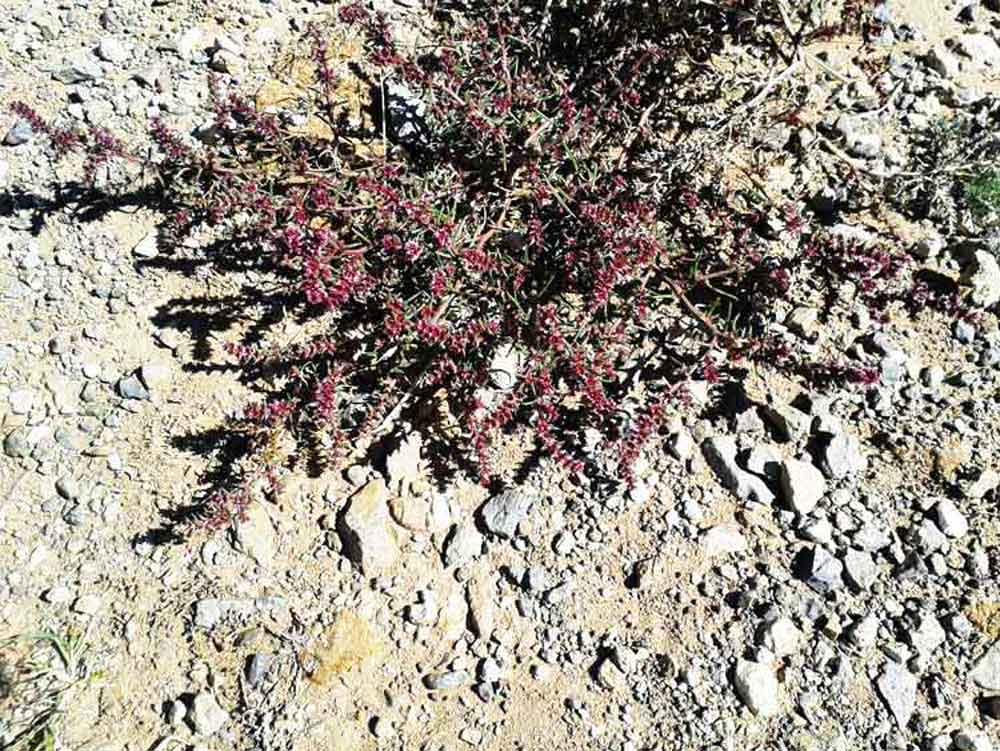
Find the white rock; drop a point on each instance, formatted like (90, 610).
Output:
(254, 535)
(723, 539)
(367, 531)
(949, 519)
(982, 274)
(147, 246)
(757, 686)
(206, 716)
(802, 485)
(782, 637)
(981, 50)
(111, 50)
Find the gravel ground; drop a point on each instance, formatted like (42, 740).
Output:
(795, 570)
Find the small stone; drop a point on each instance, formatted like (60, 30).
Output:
(112, 51)
(757, 686)
(782, 637)
(67, 487)
(19, 133)
(949, 519)
(258, 666)
(802, 485)
(898, 688)
(131, 387)
(804, 322)
(723, 539)
(986, 673)
(448, 680)
(366, 530)
(860, 570)
(482, 605)
(463, 545)
(17, 445)
(254, 535)
(789, 423)
(208, 612)
(206, 716)
(502, 513)
(147, 247)
(943, 62)
(681, 444)
(88, 605)
(155, 375)
(928, 636)
(720, 453)
(840, 456)
(863, 632)
(610, 676)
(982, 274)
(58, 595)
(821, 570)
(972, 740)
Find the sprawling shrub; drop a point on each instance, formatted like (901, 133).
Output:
(507, 225)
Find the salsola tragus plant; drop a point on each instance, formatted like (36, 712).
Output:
(502, 229)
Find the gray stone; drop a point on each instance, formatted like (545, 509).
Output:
(448, 680)
(981, 50)
(972, 740)
(720, 453)
(208, 612)
(16, 445)
(67, 487)
(789, 423)
(131, 387)
(841, 456)
(206, 716)
(782, 637)
(20, 132)
(147, 247)
(502, 513)
(943, 62)
(927, 636)
(464, 544)
(757, 686)
(112, 51)
(822, 571)
(258, 666)
(898, 689)
(982, 274)
(802, 485)
(859, 569)
(928, 537)
(863, 632)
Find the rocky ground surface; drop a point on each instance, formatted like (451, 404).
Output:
(795, 570)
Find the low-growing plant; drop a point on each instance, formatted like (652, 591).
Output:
(508, 226)
(48, 666)
(982, 194)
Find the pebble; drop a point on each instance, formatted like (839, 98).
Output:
(448, 680)
(986, 672)
(949, 519)
(898, 688)
(757, 686)
(366, 530)
(802, 485)
(206, 716)
(502, 513)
